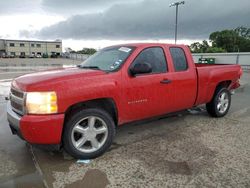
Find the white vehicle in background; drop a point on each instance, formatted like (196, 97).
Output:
(32, 55)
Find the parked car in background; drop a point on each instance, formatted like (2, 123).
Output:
(2, 55)
(32, 56)
(38, 55)
(45, 56)
(22, 56)
(66, 55)
(54, 55)
(5, 56)
(79, 108)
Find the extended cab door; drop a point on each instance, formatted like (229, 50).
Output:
(184, 77)
(148, 95)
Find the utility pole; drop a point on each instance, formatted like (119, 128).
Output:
(176, 4)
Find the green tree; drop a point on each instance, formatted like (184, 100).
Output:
(233, 40)
(226, 39)
(243, 32)
(88, 51)
(204, 47)
(215, 50)
(195, 47)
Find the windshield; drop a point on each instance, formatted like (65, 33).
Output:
(108, 59)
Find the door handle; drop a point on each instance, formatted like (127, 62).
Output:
(165, 81)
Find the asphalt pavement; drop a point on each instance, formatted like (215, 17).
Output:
(190, 149)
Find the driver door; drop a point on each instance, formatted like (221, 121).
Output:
(147, 95)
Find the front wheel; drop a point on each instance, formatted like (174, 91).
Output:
(220, 103)
(88, 133)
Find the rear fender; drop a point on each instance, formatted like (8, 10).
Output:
(225, 84)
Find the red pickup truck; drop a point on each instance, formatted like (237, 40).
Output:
(79, 108)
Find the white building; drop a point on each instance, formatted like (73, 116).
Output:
(28, 48)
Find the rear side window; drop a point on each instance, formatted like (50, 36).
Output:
(179, 59)
(154, 56)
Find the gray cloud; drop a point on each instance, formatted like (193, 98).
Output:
(11, 7)
(148, 19)
(79, 6)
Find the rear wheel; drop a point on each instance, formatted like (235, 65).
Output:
(88, 133)
(220, 103)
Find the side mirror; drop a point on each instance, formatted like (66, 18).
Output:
(140, 68)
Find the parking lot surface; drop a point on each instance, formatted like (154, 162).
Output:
(190, 149)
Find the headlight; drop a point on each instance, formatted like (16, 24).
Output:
(41, 102)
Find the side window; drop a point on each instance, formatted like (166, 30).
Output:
(179, 59)
(154, 56)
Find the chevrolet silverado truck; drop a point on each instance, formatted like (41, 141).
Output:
(79, 108)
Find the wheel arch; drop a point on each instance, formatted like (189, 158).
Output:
(224, 83)
(107, 104)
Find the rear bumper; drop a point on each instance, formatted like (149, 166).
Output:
(235, 85)
(36, 129)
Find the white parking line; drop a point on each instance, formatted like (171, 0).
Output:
(5, 84)
(5, 88)
(2, 73)
(6, 80)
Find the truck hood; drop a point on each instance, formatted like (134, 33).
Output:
(55, 75)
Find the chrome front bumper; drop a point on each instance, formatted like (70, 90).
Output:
(13, 119)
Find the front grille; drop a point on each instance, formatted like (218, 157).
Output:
(16, 106)
(16, 93)
(17, 100)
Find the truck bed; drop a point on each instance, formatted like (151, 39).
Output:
(209, 75)
(211, 65)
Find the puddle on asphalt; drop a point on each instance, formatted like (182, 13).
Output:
(196, 110)
(93, 178)
(28, 180)
(178, 167)
(114, 146)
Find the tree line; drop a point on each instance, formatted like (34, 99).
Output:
(229, 40)
(87, 51)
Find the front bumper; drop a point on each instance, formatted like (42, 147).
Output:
(36, 129)
(14, 121)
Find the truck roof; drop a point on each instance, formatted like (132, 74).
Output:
(148, 44)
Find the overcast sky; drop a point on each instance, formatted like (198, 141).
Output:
(97, 23)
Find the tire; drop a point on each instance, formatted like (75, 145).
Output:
(219, 105)
(88, 133)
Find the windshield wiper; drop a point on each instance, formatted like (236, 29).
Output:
(91, 67)
(88, 67)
